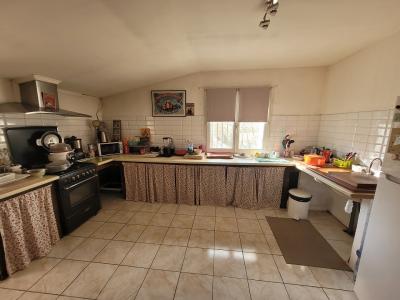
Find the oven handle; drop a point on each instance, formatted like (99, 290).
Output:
(79, 183)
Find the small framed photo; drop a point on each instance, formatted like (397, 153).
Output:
(189, 109)
(169, 103)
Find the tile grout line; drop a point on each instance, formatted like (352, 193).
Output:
(147, 225)
(148, 269)
(180, 271)
(118, 265)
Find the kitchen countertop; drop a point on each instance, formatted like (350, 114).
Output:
(180, 160)
(356, 196)
(18, 187)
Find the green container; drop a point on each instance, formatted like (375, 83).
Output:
(341, 163)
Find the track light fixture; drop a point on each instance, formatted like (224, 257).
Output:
(271, 8)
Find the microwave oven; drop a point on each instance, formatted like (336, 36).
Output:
(109, 148)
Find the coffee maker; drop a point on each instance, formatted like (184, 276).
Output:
(168, 148)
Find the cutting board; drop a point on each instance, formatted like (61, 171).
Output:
(356, 180)
(193, 156)
(220, 155)
(329, 170)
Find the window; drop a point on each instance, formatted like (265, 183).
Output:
(251, 135)
(236, 137)
(237, 119)
(221, 135)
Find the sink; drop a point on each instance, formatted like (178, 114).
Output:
(271, 160)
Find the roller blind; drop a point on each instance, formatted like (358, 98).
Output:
(253, 104)
(221, 104)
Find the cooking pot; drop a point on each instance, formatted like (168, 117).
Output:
(60, 156)
(60, 147)
(75, 142)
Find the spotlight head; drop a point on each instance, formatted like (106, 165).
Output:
(272, 8)
(264, 24)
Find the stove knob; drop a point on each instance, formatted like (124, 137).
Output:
(78, 176)
(73, 178)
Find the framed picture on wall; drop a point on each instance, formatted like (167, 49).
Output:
(189, 109)
(169, 103)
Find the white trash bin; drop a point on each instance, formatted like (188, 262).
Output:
(298, 204)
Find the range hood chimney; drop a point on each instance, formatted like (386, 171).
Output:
(39, 95)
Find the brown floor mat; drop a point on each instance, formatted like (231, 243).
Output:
(302, 244)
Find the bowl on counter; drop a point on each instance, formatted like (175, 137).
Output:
(180, 152)
(36, 172)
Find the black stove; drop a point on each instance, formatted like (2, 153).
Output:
(78, 195)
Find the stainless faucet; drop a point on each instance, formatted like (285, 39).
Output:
(370, 172)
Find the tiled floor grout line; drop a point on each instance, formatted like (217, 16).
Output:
(245, 267)
(44, 274)
(148, 270)
(213, 269)
(155, 212)
(72, 281)
(119, 264)
(180, 270)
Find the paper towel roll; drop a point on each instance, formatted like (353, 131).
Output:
(348, 208)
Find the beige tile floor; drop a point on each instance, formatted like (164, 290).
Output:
(134, 250)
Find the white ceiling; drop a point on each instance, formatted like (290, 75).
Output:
(102, 47)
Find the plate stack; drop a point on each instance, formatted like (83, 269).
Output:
(60, 158)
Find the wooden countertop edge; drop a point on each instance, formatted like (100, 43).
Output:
(174, 160)
(358, 197)
(100, 161)
(8, 191)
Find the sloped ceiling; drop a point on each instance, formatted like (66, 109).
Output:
(103, 47)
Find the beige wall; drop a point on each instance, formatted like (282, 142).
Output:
(298, 90)
(6, 90)
(368, 80)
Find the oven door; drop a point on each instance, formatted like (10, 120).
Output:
(79, 202)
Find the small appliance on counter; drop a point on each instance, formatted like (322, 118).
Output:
(110, 148)
(76, 144)
(168, 148)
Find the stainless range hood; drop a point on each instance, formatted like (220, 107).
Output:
(38, 96)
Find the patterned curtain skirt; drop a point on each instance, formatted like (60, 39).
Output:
(28, 227)
(245, 187)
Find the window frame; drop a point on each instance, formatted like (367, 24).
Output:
(236, 132)
(236, 135)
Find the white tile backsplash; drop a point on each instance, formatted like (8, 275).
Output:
(303, 129)
(363, 132)
(180, 129)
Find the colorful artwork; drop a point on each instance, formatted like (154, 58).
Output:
(49, 101)
(169, 103)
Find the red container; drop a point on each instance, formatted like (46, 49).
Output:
(327, 154)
